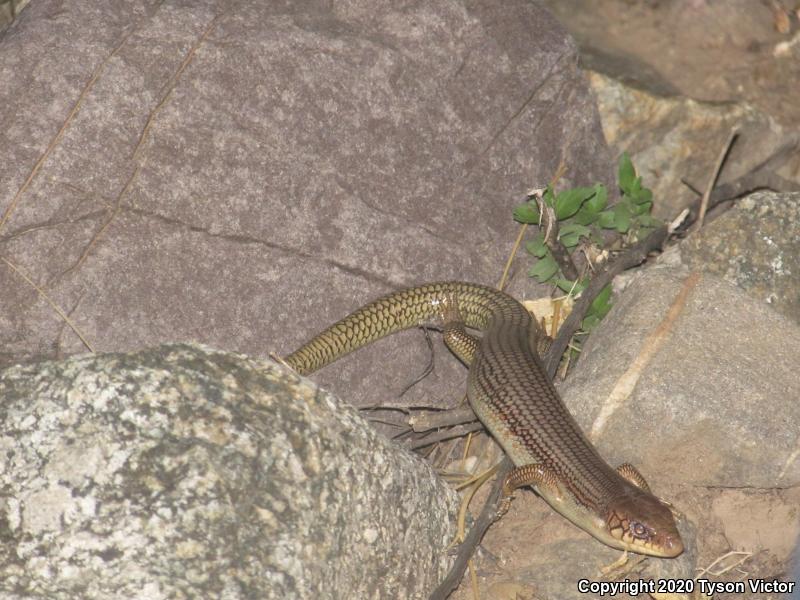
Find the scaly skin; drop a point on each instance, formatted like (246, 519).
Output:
(512, 395)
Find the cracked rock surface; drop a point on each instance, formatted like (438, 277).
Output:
(243, 174)
(183, 472)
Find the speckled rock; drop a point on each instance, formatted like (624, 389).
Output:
(182, 472)
(756, 246)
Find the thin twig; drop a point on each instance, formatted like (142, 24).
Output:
(170, 86)
(561, 255)
(678, 221)
(475, 535)
(447, 434)
(755, 180)
(631, 257)
(504, 278)
(55, 306)
(473, 578)
(691, 186)
(428, 368)
(743, 556)
(445, 418)
(67, 122)
(446, 454)
(761, 176)
(113, 212)
(390, 423)
(625, 383)
(279, 359)
(560, 170)
(714, 176)
(474, 486)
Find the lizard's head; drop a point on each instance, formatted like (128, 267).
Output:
(640, 522)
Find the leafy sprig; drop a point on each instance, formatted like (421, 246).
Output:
(582, 213)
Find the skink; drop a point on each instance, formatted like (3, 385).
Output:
(510, 392)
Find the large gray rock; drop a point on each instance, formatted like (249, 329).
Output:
(715, 381)
(709, 389)
(185, 472)
(242, 174)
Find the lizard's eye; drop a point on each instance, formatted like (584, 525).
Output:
(639, 530)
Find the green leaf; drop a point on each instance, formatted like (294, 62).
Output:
(600, 199)
(602, 304)
(604, 312)
(527, 213)
(569, 201)
(570, 241)
(590, 322)
(597, 237)
(642, 209)
(536, 246)
(544, 268)
(568, 228)
(606, 220)
(641, 195)
(622, 222)
(622, 217)
(648, 221)
(565, 285)
(585, 216)
(627, 174)
(570, 234)
(548, 197)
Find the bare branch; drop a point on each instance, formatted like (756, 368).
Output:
(467, 548)
(436, 419)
